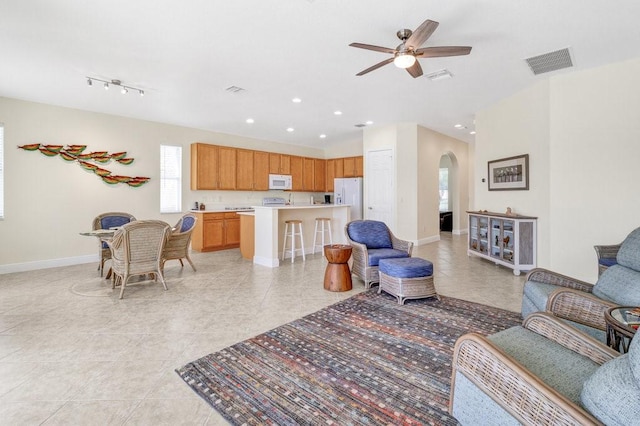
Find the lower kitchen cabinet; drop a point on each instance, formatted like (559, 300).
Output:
(216, 231)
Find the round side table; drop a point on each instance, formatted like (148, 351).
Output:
(621, 327)
(337, 276)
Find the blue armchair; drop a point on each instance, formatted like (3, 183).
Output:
(582, 303)
(371, 241)
(543, 372)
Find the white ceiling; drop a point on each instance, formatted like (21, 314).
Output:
(185, 54)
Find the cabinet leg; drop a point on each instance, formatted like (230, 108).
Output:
(516, 272)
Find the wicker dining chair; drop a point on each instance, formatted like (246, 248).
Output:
(136, 249)
(177, 246)
(371, 241)
(107, 221)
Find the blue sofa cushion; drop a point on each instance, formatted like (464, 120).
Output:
(410, 267)
(384, 253)
(560, 368)
(629, 253)
(615, 285)
(610, 261)
(373, 234)
(611, 393)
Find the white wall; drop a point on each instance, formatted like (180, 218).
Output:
(581, 132)
(49, 201)
(417, 152)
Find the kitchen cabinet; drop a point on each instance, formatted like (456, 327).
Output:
(212, 167)
(505, 240)
(296, 173)
(331, 174)
(216, 231)
(308, 165)
(279, 164)
(252, 171)
(339, 167)
(354, 166)
(320, 175)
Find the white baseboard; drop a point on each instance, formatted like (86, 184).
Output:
(265, 261)
(45, 264)
(460, 231)
(428, 240)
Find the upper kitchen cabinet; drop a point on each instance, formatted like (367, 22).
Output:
(296, 173)
(212, 167)
(320, 175)
(279, 164)
(308, 166)
(353, 167)
(252, 171)
(339, 167)
(331, 174)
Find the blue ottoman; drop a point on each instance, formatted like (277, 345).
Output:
(407, 278)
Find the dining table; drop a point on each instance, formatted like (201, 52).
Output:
(104, 235)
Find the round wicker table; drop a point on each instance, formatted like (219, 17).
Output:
(337, 276)
(621, 327)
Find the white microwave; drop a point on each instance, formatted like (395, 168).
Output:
(279, 181)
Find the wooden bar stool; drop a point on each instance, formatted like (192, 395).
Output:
(320, 228)
(291, 234)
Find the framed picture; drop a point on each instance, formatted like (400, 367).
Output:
(509, 174)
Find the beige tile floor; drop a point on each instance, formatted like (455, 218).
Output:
(72, 353)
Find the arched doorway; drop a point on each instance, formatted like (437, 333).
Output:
(448, 191)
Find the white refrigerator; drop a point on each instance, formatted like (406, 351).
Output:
(349, 191)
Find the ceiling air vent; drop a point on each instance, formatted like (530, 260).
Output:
(234, 89)
(551, 61)
(439, 75)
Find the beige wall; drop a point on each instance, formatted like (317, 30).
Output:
(49, 201)
(417, 151)
(581, 131)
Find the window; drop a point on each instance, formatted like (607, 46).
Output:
(1, 172)
(170, 179)
(444, 189)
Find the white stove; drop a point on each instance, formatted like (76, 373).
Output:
(273, 201)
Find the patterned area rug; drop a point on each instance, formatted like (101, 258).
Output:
(363, 361)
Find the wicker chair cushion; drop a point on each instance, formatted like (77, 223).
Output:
(373, 234)
(187, 223)
(410, 267)
(629, 253)
(620, 285)
(608, 261)
(560, 368)
(375, 255)
(611, 393)
(108, 222)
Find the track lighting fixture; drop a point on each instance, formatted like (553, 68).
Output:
(106, 84)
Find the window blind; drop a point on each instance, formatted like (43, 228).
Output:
(170, 179)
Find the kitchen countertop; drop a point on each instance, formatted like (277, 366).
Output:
(220, 210)
(301, 206)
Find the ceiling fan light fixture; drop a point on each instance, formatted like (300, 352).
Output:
(404, 60)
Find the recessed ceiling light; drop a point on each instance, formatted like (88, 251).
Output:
(296, 100)
(458, 126)
(250, 120)
(289, 129)
(369, 123)
(473, 132)
(322, 136)
(337, 112)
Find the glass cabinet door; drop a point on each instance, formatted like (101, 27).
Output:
(496, 238)
(483, 230)
(508, 240)
(473, 233)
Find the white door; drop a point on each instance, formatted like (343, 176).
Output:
(380, 186)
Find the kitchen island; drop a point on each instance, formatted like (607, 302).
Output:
(269, 228)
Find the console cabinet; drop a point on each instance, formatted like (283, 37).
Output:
(506, 240)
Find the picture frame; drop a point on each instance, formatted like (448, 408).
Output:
(509, 174)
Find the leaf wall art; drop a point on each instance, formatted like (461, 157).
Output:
(93, 161)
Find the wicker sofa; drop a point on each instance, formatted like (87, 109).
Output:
(582, 303)
(543, 372)
(371, 241)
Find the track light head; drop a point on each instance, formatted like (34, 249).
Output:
(124, 91)
(141, 92)
(106, 86)
(90, 82)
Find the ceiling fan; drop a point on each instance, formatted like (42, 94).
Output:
(406, 54)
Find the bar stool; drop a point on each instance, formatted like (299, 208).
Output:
(320, 228)
(292, 235)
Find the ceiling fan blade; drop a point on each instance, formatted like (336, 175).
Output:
(376, 66)
(415, 70)
(435, 52)
(372, 47)
(421, 34)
